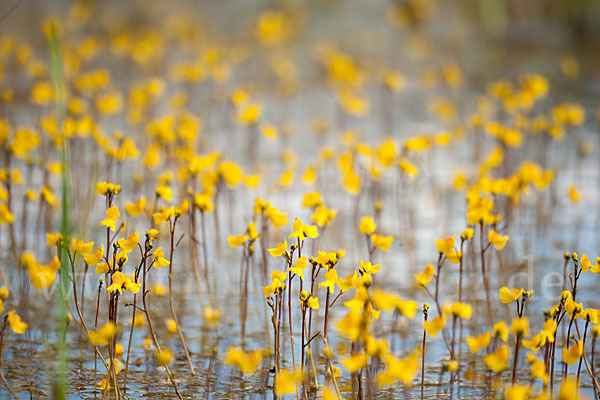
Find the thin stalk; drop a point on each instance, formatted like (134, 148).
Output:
(173, 314)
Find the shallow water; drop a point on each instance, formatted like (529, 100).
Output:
(544, 226)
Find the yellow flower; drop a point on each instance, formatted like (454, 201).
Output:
(355, 362)
(382, 242)
(479, 342)
(467, 234)
(163, 215)
(323, 216)
(572, 354)
(279, 250)
(277, 218)
(41, 276)
(127, 245)
(53, 239)
(501, 330)
(202, 201)
(286, 382)
(434, 326)
(307, 300)
(498, 241)
(445, 245)
(331, 278)
(14, 321)
(424, 277)
(520, 327)
(112, 214)
(247, 362)
(461, 310)
(235, 241)
(164, 356)
(158, 258)
(6, 217)
(402, 370)
(509, 295)
(311, 200)
(79, 246)
(299, 266)
(171, 325)
(574, 195)
(454, 256)
(252, 232)
(498, 360)
(232, 174)
(136, 207)
(164, 192)
(302, 231)
(518, 392)
(152, 234)
(102, 335)
(105, 188)
(367, 225)
(368, 268)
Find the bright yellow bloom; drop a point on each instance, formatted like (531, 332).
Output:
(102, 335)
(368, 268)
(163, 215)
(6, 217)
(382, 242)
(434, 326)
(299, 266)
(355, 362)
(136, 207)
(518, 392)
(14, 321)
(445, 245)
(247, 362)
(479, 342)
(127, 245)
(424, 277)
(402, 370)
(323, 216)
(509, 295)
(164, 356)
(467, 234)
(574, 195)
(498, 360)
(286, 382)
(311, 200)
(235, 241)
(331, 278)
(105, 188)
(53, 239)
(171, 325)
(158, 258)
(279, 250)
(164, 192)
(501, 330)
(461, 310)
(495, 239)
(520, 327)
(572, 354)
(308, 300)
(79, 246)
(301, 230)
(367, 225)
(112, 214)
